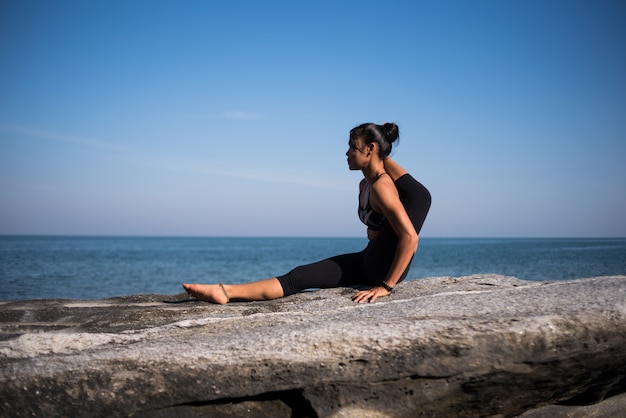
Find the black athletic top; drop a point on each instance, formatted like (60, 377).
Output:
(372, 219)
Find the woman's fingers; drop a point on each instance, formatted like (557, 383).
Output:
(369, 295)
(361, 296)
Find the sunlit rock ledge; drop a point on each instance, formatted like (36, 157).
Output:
(482, 345)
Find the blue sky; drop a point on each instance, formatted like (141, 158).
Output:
(210, 118)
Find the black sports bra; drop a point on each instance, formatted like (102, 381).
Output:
(367, 215)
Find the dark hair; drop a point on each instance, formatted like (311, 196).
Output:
(384, 135)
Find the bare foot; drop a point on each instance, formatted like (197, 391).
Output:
(213, 293)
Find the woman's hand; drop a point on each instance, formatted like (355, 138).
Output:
(370, 294)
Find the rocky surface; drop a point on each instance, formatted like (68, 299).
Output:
(483, 345)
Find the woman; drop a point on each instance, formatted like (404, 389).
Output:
(392, 204)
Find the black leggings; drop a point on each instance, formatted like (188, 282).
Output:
(369, 266)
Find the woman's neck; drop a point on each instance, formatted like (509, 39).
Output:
(373, 171)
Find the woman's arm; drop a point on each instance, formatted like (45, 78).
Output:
(395, 172)
(393, 169)
(385, 200)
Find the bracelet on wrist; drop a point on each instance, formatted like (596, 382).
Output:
(386, 286)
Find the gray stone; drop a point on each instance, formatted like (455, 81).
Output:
(477, 346)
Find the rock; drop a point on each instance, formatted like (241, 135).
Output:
(614, 407)
(477, 346)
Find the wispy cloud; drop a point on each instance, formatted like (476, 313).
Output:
(241, 115)
(61, 137)
(210, 168)
(181, 163)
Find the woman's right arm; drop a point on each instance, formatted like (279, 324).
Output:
(393, 169)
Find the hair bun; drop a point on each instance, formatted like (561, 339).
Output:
(391, 131)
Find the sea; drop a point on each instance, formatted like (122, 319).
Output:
(41, 267)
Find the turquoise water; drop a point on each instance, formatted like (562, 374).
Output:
(99, 267)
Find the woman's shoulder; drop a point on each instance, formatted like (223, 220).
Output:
(384, 184)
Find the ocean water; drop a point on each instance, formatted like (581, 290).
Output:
(34, 267)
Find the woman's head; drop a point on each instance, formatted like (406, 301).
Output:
(383, 135)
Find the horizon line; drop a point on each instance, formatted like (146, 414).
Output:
(32, 235)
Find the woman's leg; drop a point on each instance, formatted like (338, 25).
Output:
(343, 270)
(415, 198)
(216, 293)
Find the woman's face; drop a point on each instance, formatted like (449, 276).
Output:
(357, 154)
